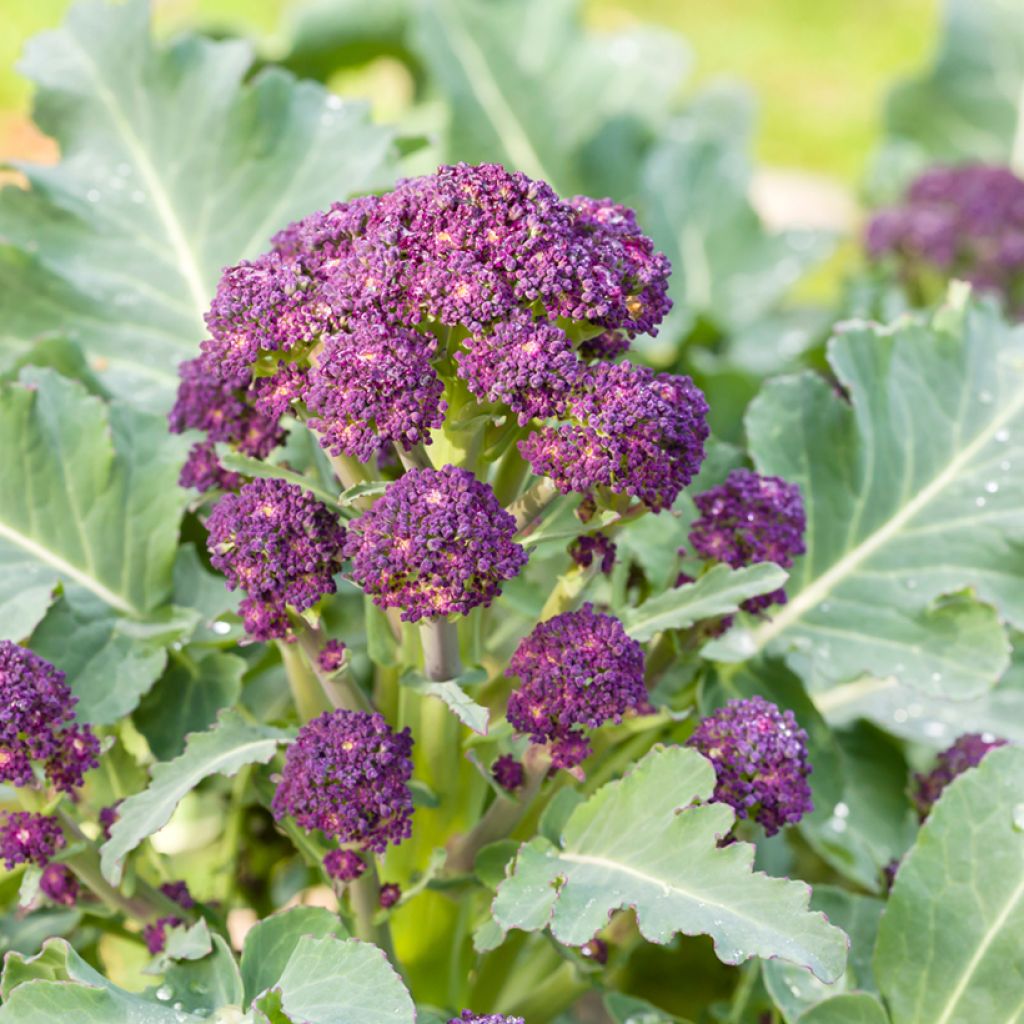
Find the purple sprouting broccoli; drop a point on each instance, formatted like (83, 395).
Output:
(154, 934)
(224, 413)
(596, 950)
(963, 222)
(59, 884)
(344, 865)
(353, 311)
(469, 1017)
(37, 723)
(967, 751)
(372, 388)
(347, 776)
(108, 817)
(390, 894)
(280, 545)
(591, 547)
(749, 519)
(629, 431)
(27, 838)
(508, 773)
(576, 670)
(760, 758)
(435, 543)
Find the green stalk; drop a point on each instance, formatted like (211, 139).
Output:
(504, 814)
(441, 659)
(528, 508)
(552, 996)
(508, 481)
(566, 591)
(339, 688)
(364, 899)
(307, 693)
(415, 458)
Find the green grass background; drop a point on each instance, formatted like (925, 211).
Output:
(820, 68)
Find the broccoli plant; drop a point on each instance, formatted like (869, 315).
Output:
(419, 654)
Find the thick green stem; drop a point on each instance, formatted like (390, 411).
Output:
(508, 481)
(504, 814)
(415, 458)
(441, 659)
(566, 591)
(528, 508)
(339, 688)
(307, 693)
(552, 996)
(364, 899)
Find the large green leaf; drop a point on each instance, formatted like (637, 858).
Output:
(913, 492)
(718, 592)
(967, 105)
(110, 660)
(173, 166)
(270, 944)
(649, 841)
(529, 88)
(230, 745)
(949, 943)
(88, 498)
(727, 268)
(187, 699)
(330, 981)
(850, 1008)
(59, 985)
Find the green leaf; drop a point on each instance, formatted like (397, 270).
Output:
(329, 981)
(110, 660)
(718, 592)
(88, 498)
(852, 1008)
(966, 106)
(472, 715)
(187, 699)
(644, 841)
(624, 1009)
(912, 493)
(239, 463)
(727, 268)
(203, 984)
(793, 990)
(174, 164)
(58, 984)
(954, 925)
(270, 944)
(550, 107)
(229, 745)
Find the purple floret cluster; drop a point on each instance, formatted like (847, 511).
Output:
(347, 776)
(344, 865)
(963, 222)
(594, 547)
(331, 656)
(390, 894)
(154, 934)
(435, 543)
(27, 838)
(760, 758)
(748, 519)
(37, 723)
(966, 752)
(346, 320)
(575, 670)
(280, 545)
(630, 431)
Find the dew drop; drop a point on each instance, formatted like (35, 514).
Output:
(1002, 436)
(992, 487)
(334, 102)
(221, 628)
(900, 715)
(936, 677)
(841, 810)
(93, 195)
(980, 502)
(179, 1005)
(934, 729)
(164, 993)
(1004, 465)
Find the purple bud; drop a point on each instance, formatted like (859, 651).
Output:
(760, 759)
(344, 865)
(576, 670)
(331, 656)
(966, 752)
(154, 934)
(59, 884)
(390, 894)
(107, 817)
(584, 549)
(347, 775)
(596, 950)
(508, 773)
(435, 543)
